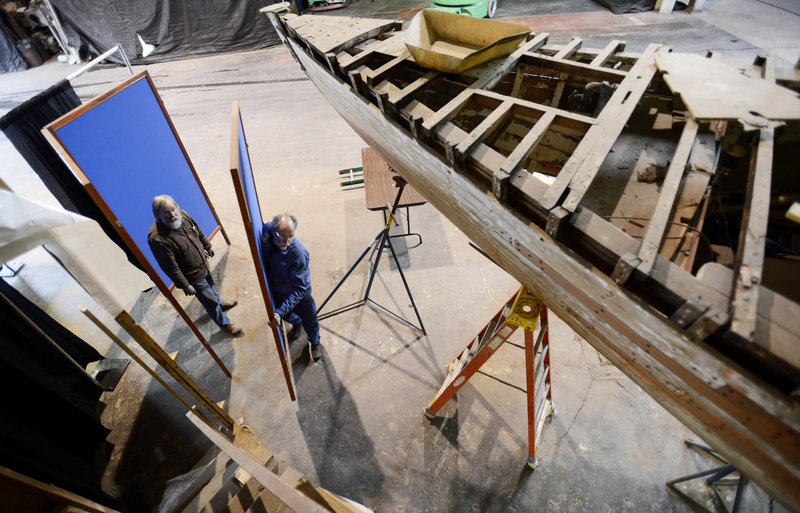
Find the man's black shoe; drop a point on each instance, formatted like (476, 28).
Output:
(227, 306)
(294, 333)
(316, 351)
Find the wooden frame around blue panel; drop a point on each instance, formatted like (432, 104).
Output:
(244, 184)
(124, 149)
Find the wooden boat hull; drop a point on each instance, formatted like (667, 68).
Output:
(558, 249)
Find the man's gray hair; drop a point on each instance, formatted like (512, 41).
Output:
(292, 220)
(160, 201)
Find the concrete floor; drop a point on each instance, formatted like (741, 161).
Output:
(357, 427)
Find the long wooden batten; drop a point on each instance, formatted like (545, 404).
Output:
(516, 154)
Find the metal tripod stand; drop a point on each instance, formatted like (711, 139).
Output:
(375, 250)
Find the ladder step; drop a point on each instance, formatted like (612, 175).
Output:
(537, 419)
(540, 336)
(541, 361)
(539, 423)
(542, 383)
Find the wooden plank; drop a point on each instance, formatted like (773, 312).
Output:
(224, 470)
(778, 326)
(702, 164)
(22, 487)
(408, 92)
(293, 500)
(528, 143)
(610, 49)
(341, 504)
(110, 334)
(375, 76)
(666, 199)
(490, 78)
(150, 346)
(568, 49)
(330, 36)
(448, 112)
(595, 72)
(752, 238)
(565, 115)
(687, 262)
(238, 177)
(579, 172)
(518, 77)
(379, 189)
(484, 129)
(713, 90)
(559, 91)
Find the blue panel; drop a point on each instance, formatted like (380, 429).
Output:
(253, 209)
(129, 152)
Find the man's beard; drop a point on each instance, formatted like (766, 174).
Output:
(176, 222)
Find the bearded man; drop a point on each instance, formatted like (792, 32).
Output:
(182, 251)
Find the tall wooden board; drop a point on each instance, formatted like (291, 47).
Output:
(124, 149)
(243, 183)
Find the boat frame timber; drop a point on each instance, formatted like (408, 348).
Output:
(673, 334)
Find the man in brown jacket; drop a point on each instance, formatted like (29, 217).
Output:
(181, 249)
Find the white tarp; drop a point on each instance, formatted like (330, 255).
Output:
(78, 242)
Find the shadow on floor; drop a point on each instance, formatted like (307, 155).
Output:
(342, 452)
(162, 444)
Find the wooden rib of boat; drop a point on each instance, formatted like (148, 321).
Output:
(651, 222)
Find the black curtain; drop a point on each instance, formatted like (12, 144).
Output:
(176, 28)
(23, 126)
(50, 427)
(74, 346)
(10, 59)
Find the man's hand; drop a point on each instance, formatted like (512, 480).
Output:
(189, 291)
(210, 253)
(275, 321)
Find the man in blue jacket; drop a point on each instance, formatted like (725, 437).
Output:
(286, 260)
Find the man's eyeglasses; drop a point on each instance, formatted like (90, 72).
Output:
(280, 238)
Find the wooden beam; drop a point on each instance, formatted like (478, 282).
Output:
(486, 127)
(752, 238)
(162, 358)
(491, 77)
(293, 500)
(110, 334)
(448, 112)
(666, 198)
(518, 78)
(559, 91)
(610, 49)
(29, 494)
(610, 124)
(374, 77)
(564, 114)
(528, 143)
(407, 93)
(568, 49)
(595, 72)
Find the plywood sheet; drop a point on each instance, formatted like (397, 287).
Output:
(329, 34)
(714, 90)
